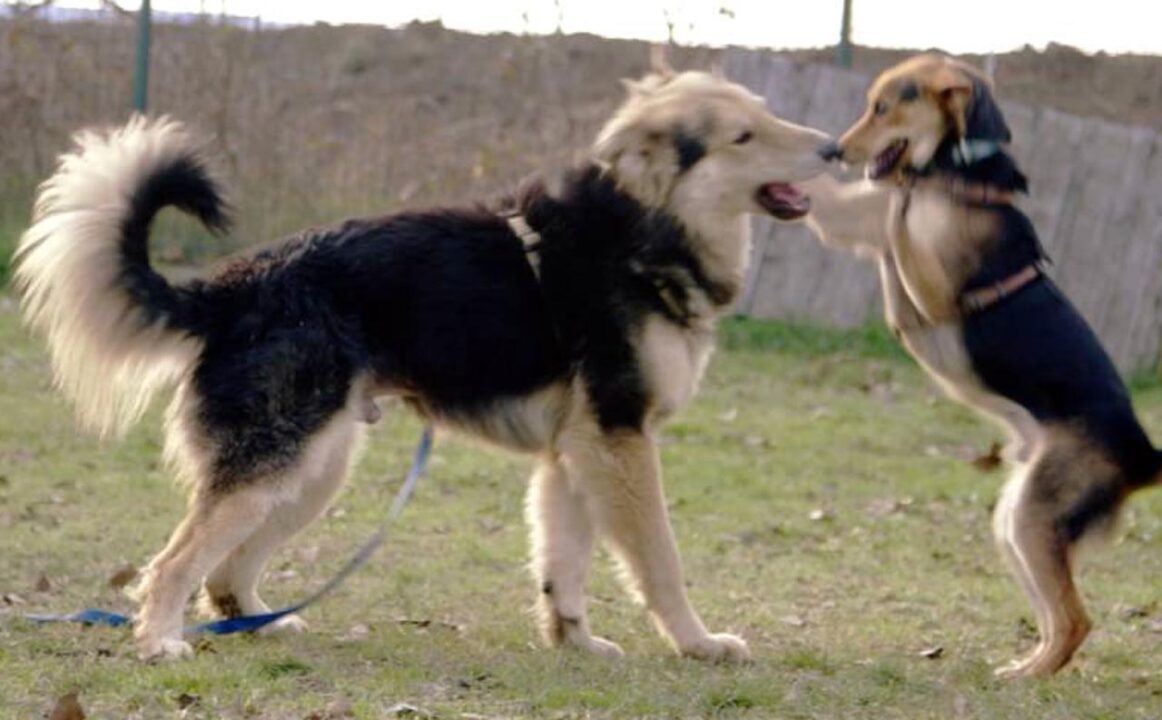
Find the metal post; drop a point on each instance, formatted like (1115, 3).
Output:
(141, 75)
(843, 50)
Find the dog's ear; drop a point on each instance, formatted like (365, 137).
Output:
(984, 120)
(645, 161)
(659, 63)
(660, 73)
(953, 90)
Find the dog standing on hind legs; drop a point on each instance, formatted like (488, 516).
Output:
(964, 289)
(567, 324)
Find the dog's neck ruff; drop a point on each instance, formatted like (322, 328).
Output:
(529, 238)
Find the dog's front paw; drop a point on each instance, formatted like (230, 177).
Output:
(163, 649)
(718, 647)
(291, 624)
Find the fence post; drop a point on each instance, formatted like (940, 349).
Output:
(843, 49)
(141, 75)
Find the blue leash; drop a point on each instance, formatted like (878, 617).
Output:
(250, 623)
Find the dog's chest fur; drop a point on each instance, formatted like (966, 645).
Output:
(674, 359)
(936, 245)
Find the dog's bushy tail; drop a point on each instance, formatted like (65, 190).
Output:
(116, 329)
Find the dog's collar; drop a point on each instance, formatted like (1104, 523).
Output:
(967, 152)
(974, 301)
(529, 238)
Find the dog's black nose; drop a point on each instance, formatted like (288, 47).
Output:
(830, 151)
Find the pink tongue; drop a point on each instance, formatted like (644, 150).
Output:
(785, 194)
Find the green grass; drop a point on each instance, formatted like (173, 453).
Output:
(836, 609)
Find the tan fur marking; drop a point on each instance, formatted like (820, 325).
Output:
(622, 477)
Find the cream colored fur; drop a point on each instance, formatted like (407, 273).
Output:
(712, 197)
(105, 357)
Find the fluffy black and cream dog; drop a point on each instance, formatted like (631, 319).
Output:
(965, 289)
(566, 324)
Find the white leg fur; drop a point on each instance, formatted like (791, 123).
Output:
(562, 547)
(234, 534)
(622, 477)
(232, 588)
(1028, 542)
(211, 529)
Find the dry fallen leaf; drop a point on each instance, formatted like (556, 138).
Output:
(932, 653)
(991, 460)
(335, 710)
(819, 514)
(793, 621)
(43, 584)
(356, 633)
(883, 507)
(123, 576)
(425, 624)
(185, 700)
(67, 708)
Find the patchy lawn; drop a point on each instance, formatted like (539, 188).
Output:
(821, 492)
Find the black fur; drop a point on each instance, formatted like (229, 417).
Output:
(984, 120)
(689, 148)
(443, 305)
(1036, 349)
(186, 184)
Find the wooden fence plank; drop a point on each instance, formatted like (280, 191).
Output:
(1141, 339)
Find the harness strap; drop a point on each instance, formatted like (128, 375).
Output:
(529, 237)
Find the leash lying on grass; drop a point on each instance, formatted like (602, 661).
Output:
(250, 623)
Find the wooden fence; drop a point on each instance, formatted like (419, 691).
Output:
(1096, 200)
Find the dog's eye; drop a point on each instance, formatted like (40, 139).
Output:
(880, 108)
(743, 138)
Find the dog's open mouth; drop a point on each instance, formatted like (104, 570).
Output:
(784, 200)
(887, 160)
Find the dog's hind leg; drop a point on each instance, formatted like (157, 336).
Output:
(231, 589)
(562, 547)
(621, 474)
(1067, 492)
(214, 525)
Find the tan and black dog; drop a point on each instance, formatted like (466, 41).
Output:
(966, 292)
